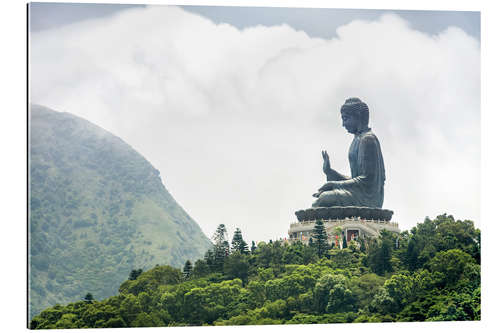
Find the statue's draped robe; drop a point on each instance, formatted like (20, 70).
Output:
(366, 186)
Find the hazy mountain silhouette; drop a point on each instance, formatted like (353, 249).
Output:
(98, 209)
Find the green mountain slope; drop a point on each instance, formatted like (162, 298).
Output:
(98, 209)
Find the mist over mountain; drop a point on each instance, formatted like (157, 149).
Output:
(98, 209)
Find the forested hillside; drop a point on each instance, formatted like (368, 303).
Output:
(430, 273)
(97, 209)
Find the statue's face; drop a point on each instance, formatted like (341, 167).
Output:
(350, 122)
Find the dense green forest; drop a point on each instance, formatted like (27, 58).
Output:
(430, 273)
(97, 209)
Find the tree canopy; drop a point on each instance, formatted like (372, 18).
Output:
(432, 273)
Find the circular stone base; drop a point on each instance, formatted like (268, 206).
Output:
(326, 213)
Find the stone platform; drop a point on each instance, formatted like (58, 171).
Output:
(349, 212)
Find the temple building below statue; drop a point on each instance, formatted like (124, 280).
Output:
(352, 228)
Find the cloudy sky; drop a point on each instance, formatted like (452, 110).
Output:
(234, 105)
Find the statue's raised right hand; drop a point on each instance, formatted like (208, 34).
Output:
(326, 162)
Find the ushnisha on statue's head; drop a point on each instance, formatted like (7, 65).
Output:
(355, 115)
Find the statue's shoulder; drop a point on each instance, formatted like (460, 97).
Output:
(369, 138)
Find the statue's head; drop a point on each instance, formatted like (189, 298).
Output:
(355, 115)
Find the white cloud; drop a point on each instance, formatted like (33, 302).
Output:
(235, 120)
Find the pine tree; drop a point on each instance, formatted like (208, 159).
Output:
(253, 248)
(238, 244)
(320, 238)
(209, 259)
(220, 234)
(188, 269)
(88, 298)
(344, 241)
(221, 248)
